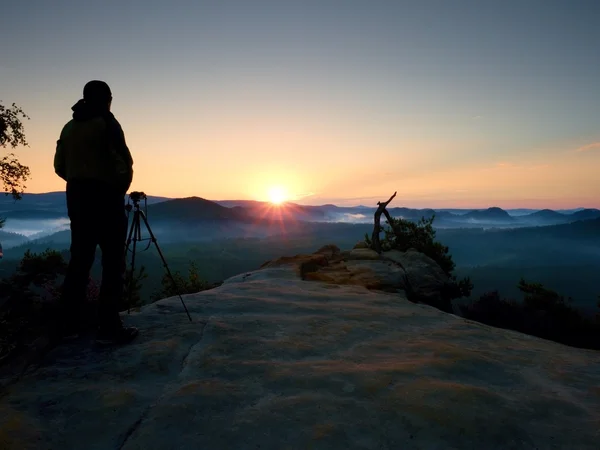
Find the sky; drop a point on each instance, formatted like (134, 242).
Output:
(450, 103)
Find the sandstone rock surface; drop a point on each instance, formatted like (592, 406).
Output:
(272, 361)
(389, 271)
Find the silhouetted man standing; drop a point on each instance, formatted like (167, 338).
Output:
(94, 160)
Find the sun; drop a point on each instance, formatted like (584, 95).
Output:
(277, 195)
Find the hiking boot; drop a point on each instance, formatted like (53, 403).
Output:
(116, 335)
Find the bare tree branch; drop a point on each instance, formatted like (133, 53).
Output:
(375, 242)
(388, 202)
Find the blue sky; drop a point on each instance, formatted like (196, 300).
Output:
(462, 103)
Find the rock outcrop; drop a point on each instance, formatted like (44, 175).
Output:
(411, 272)
(275, 361)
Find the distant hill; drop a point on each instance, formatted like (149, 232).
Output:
(49, 205)
(249, 204)
(533, 246)
(8, 239)
(551, 217)
(547, 214)
(269, 212)
(417, 214)
(194, 209)
(34, 214)
(46, 198)
(493, 214)
(546, 217)
(586, 214)
(579, 230)
(582, 230)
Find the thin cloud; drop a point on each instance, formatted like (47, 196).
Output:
(303, 196)
(588, 147)
(509, 165)
(503, 165)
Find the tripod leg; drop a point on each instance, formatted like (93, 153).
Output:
(153, 238)
(131, 229)
(135, 226)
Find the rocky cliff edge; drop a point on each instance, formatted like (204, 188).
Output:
(319, 351)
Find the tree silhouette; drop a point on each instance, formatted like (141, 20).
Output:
(12, 133)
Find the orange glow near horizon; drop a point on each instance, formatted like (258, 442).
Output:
(554, 181)
(307, 163)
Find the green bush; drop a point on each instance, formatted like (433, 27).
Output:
(401, 234)
(542, 313)
(404, 234)
(132, 297)
(191, 284)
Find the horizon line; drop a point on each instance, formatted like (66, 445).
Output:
(334, 204)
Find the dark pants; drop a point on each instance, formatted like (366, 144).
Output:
(98, 218)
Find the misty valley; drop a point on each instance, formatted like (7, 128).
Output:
(494, 247)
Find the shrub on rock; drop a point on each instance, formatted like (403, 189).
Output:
(542, 313)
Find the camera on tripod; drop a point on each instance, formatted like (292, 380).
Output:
(136, 196)
(135, 235)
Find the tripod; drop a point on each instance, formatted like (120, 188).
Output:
(135, 234)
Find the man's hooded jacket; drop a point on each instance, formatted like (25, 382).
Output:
(92, 146)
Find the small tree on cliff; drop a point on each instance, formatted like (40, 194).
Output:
(191, 284)
(404, 234)
(401, 234)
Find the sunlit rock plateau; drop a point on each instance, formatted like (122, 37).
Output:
(301, 355)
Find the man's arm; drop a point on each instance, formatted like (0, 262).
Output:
(59, 160)
(121, 154)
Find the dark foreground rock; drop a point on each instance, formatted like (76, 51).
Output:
(272, 361)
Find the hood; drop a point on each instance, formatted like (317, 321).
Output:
(83, 111)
